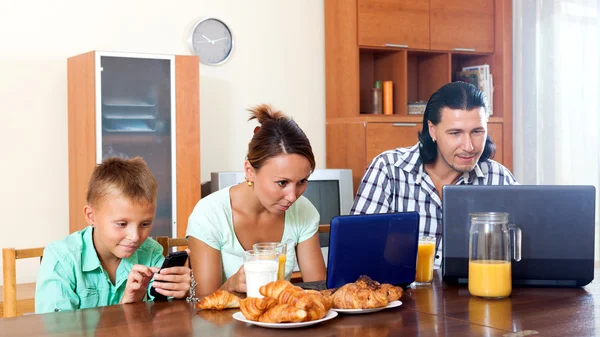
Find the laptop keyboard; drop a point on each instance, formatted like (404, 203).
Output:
(316, 285)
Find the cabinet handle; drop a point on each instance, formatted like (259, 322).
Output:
(396, 45)
(404, 124)
(464, 49)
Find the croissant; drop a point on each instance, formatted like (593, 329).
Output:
(284, 302)
(295, 296)
(319, 305)
(366, 282)
(329, 292)
(219, 300)
(252, 308)
(283, 313)
(392, 293)
(317, 295)
(353, 296)
(273, 289)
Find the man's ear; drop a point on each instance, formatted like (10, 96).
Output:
(431, 130)
(88, 213)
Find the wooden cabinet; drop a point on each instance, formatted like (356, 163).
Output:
(356, 32)
(394, 23)
(462, 25)
(495, 132)
(387, 136)
(127, 105)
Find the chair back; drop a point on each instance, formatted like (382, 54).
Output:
(10, 256)
(168, 243)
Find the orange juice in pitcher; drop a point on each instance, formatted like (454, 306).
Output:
(490, 278)
(490, 254)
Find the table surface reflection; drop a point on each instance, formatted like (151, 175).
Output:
(439, 310)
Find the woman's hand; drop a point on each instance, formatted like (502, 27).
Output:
(237, 282)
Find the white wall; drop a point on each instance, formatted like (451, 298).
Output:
(278, 59)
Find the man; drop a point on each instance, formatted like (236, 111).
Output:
(453, 148)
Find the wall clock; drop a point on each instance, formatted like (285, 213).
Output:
(212, 41)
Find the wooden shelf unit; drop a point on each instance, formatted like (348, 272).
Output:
(419, 45)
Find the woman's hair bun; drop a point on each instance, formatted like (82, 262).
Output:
(264, 113)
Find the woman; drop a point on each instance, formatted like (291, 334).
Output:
(269, 207)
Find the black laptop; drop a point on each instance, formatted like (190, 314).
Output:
(557, 224)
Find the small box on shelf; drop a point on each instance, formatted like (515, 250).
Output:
(416, 108)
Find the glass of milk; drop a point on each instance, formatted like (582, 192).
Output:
(261, 267)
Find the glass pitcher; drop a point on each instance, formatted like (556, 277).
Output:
(489, 254)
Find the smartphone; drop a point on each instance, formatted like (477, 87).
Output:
(176, 259)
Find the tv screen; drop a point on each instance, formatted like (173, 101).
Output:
(325, 196)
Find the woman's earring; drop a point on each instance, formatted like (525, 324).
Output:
(250, 183)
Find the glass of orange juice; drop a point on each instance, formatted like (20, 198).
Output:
(281, 249)
(425, 258)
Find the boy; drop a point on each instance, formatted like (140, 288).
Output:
(111, 261)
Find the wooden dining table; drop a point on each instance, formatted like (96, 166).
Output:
(438, 310)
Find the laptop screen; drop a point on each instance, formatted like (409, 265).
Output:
(381, 246)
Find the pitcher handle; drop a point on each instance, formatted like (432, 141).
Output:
(516, 241)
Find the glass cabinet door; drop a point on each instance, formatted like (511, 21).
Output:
(137, 119)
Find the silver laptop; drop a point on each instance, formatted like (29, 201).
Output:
(557, 223)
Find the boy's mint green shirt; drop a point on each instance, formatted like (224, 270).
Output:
(71, 276)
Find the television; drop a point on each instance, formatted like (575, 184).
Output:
(329, 190)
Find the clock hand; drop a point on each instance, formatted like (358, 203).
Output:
(223, 38)
(207, 39)
(202, 41)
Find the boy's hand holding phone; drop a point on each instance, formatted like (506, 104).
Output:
(173, 279)
(137, 283)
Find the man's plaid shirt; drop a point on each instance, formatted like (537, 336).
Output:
(396, 182)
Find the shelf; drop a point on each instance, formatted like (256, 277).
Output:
(390, 119)
(427, 72)
(133, 138)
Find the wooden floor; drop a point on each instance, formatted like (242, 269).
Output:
(25, 296)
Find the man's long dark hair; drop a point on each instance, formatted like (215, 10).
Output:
(455, 95)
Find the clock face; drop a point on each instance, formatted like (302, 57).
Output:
(212, 41)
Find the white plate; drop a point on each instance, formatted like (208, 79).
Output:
(240, 317)
(392, 304)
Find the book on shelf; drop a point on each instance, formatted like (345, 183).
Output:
(481, 78)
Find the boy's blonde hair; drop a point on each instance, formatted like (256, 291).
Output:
(128, 178)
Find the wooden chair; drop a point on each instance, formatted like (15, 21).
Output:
(11, 306)
(297, 276)
(167, 243)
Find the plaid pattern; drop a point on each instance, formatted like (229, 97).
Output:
(396, 182)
